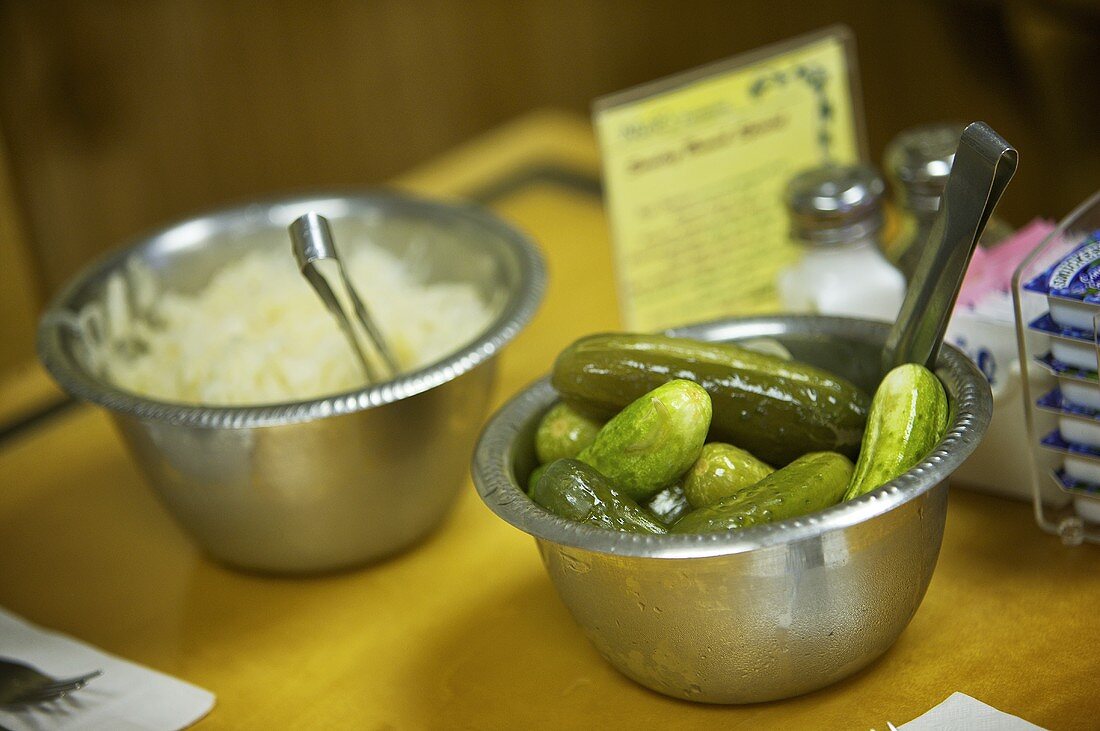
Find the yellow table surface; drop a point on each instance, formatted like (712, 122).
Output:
(465, 631)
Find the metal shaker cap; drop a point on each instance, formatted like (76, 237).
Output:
(918, 162)
(835, 204)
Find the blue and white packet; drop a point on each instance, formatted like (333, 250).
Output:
(1063, 370)
(1071, 484)
(1072, 288)
(1045, 324)
(1054, 402)
(1055, 442)
(1076, 277)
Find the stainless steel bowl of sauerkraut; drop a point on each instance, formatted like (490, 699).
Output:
(241, 400)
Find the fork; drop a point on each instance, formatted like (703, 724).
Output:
(22, 684)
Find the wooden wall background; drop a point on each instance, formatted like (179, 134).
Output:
(119, 115)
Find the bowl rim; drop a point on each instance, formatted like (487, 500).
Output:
(495, 484)
(516, 312)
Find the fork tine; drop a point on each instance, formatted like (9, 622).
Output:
(64, 682)
(41, 696)
(57, 688)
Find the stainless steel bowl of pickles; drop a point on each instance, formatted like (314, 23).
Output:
(754, 605)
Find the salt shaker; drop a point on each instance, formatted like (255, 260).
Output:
(836, 218)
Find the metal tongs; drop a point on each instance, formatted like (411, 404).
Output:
(984, 163)
(315, 251)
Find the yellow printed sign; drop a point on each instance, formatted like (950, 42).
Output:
(694, 172)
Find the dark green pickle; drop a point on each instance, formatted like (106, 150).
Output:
(776, 409)
(577, 491)
(812, 482)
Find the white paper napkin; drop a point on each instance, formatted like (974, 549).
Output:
(126, 697)
(960, 711)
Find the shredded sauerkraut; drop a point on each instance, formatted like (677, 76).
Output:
(258, 334)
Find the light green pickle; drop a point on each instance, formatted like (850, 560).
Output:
(812, 482)
(563, 433)
(722, 471)
(655, 439)
(577, 491)
(670, 504)
(908, 418)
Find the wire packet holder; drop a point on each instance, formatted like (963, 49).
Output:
(1058, 335)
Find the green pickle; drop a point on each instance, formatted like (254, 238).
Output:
(564, 433)
(909, 416)
(534, 477)
(669, 505)
(812, 482)
(722, 471)
(577, 491)
(776, 409)
(655, 439)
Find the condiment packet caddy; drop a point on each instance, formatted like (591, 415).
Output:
(1072, 290)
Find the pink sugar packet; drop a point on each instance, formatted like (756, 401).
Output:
(991, 269)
